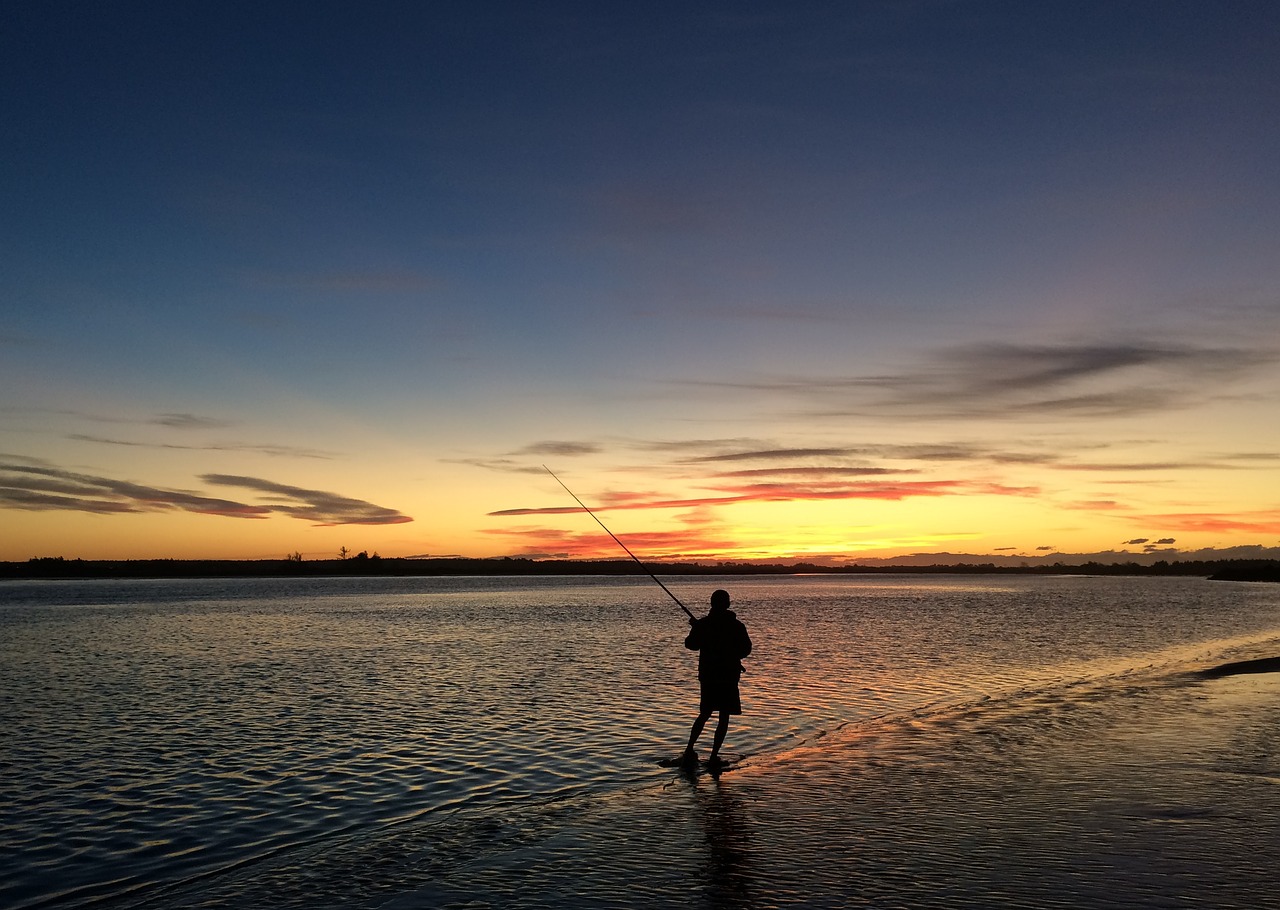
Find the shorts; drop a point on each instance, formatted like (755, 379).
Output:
(719, 695)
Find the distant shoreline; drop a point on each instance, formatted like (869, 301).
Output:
(375, 566)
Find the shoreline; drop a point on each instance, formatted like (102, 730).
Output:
(52, 568)
(1147, 795)
(1155, 790)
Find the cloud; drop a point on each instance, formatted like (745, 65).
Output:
(542, 542)
(1165, 541)
(1096, 505)
(712, 451)
(1140, 466)
(686, 445)
(730, 494)
(171, 420)
(1136, 541)
(40, 488)
(1266, 457)
(189, 422)
(943, 452)
(1262, 522)
(34, 487)
(320, 506)
(1039, 376)
(1015, 380)
(25, 460)
(31, 499)
(831, 471)
(761, 459)
(514, 462)
(275, 451)
(504, 465)
(179, 421)
(893, 491)
(770, 455)
(564, 449)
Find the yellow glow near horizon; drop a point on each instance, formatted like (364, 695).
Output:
(1013, 509)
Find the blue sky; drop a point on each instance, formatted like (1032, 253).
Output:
(400, 254)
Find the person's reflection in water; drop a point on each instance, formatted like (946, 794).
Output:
(721, 641)
(727, 831)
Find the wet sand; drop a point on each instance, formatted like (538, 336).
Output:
(1156, 791)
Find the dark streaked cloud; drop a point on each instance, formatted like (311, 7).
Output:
(320, 506)
(504, 465)
(1019, 380)
(561, 448)
(694, 445)
(27, 460)
(1001, 369)
(771, 455)
(41, 488)
(33, 487)
(544, 510)
(172, 420)
(189, 422)
(32, 500)
(829, 472)
(276, 451)
(183, 422)
(1139, 466)
(1267, 458)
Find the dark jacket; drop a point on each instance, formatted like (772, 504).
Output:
(721, 641)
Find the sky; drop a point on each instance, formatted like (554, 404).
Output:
(818, 281)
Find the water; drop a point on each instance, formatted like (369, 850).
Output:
(200, 742)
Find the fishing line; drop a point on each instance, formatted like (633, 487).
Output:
(618, 542)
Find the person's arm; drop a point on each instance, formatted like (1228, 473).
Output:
(745, 643)
(693, 641)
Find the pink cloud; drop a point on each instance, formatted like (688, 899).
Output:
(781, 492)
(1267, 522)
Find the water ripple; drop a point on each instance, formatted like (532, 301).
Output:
(160, 735)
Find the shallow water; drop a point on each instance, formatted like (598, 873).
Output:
(201, 742)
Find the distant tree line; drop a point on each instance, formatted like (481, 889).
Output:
(364, 564)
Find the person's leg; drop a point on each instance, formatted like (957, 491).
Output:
(698, 724)
(722, 727)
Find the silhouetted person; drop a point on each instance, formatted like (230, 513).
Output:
(721, 641)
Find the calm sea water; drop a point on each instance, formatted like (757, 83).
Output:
(162, 738)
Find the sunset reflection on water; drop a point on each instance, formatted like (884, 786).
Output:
(180, 728)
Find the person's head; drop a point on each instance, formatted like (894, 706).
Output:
(719, 600)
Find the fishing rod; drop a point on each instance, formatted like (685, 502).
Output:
(618, 542)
